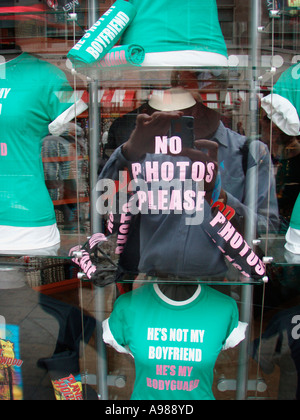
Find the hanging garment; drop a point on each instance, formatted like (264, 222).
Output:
(174, 344)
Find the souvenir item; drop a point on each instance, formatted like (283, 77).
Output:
(174, 344)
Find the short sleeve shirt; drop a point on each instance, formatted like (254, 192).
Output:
(174, 347)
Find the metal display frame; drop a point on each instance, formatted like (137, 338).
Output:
(241, 384)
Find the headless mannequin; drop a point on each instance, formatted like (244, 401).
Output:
(11, 277)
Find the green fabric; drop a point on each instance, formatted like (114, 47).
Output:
(201, 327)
(295, 218)
(29, 101)
(161, 25)
(288, 86)
(103, 35)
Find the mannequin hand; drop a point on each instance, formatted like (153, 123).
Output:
(142, 139)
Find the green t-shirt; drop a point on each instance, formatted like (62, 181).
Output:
(30, 99)
(171, 26)
(175, 347)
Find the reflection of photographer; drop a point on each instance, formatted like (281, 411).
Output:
(167, 245)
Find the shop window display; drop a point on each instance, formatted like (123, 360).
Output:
(161, 149)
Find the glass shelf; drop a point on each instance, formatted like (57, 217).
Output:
(274, 245)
